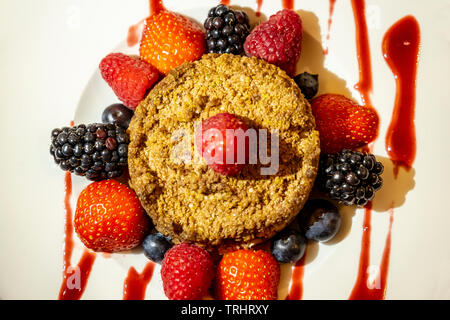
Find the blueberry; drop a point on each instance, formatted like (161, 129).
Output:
(117, 114)
(320, 220)
(155, 246)
(288, 246)
(308, 83)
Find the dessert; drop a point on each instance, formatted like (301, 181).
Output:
(190, 202)
(202, 202)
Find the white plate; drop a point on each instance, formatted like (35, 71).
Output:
(32, 231)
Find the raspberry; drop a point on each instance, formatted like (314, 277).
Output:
(225, 155)
(278, 40)
(187, 272)
(129, 77)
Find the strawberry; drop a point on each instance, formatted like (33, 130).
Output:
(343, 124)
(109, 217)
(187, 272)
(247, 275)
(129, 77)
(215, 145)
(170, 39)
(278, 40)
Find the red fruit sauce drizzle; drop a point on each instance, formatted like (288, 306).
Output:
(226, 2)
(296, 289)
(134, 36)
(363, 290)
(364, 86)
(258, 7)
(136, 283)
(330, 21)
(69, 289)
(288, 4)
(401, 51)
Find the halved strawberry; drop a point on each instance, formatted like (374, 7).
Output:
(109, 217)
(170, 39)
(343, 124)
(247, 275)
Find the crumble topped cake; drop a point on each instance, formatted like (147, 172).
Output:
(185, 198)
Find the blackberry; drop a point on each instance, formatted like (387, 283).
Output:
(96, 151)
(226, 30)
(351, 177)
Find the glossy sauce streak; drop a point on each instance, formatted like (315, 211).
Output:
(364, 86)
(258, 8)
(287, 4)
(330, 21)
(401, 45)
(134, 35)
(362, 290)
(134, 32)
(136, 283)
(74, 278)
(367, 288)
(296, 289)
